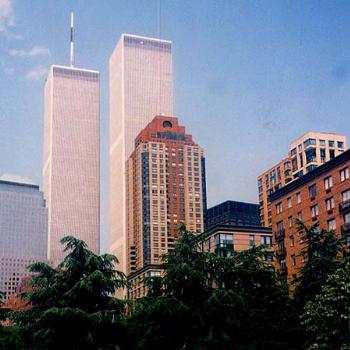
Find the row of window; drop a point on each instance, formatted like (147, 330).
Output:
(328, 184)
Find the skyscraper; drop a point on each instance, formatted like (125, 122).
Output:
(23, 231)
(166, 187)
(71, 157)
(141, 86)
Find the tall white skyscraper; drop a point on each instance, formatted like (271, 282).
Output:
(141, 86)
(71, 161)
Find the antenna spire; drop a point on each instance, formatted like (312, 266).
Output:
(71, 39)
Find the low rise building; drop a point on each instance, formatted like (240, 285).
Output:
(233, 213)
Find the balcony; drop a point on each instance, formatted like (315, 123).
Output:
(280, 234)
(345, 229)
(281, 252)
(283, 270)
(344, 207)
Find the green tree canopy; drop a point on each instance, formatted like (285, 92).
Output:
(73, 305)
(204, 302)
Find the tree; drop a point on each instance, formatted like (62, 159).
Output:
(204, 302)
(72, 305)
(322, 252)
(327, 316)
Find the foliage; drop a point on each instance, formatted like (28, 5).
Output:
(209, 302)
(72, 305)
(322, 253)
(327, 316)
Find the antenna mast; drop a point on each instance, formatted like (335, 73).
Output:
(71, 61)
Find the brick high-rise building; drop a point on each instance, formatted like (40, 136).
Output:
(166, 187)
(71, 157)
(141, 86)
(306, 153)
(322, 196)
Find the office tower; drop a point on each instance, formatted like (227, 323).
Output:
(141, 86)
(233, 213)
(23, 231)
(323, 196)
(305, 154)
(165, 189)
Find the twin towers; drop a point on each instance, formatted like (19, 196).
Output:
(140, 87)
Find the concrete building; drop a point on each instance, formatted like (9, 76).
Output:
(321, 196)
(23, 231)
(141, 86)
(71, 157)
(306, 153)
(166, 187)
(225, 239)
(233, 213)
(270, 181)
(313, 149)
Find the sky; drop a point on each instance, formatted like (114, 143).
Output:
(249, 77)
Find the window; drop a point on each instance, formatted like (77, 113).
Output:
(293, 152)
(331, 154)
(330, 203)
(294, 261)
(323, 155)
(309, 142)
(300, 148)
(331, 143)
(300, 215)
(251, 240)
(279, 208)
(322, 143)
(266, 240)
(328, 182)
(291, 239)
(347, 218)
(280, 226)
(290, 221)
(298, 195)
(340, 144)
(289, 202)
(314, 210)
(310, 155)
(312, 190)
(344, 174)
(346, 195)
(332, 224)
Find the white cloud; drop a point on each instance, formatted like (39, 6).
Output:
(37, 73)
(35, 51)
(7, 16)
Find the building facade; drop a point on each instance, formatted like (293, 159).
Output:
(71, 157)
(306, 153)
(165, 189)
(313, 149)
(268, 182)
(233, 213)
(141, 86)
(321, 196)
(23, 232)
(225, 239)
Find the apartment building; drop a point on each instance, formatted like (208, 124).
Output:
(306, 153)
(321, 196)
(165, 184)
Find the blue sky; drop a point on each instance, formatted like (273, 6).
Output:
(250, 76)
